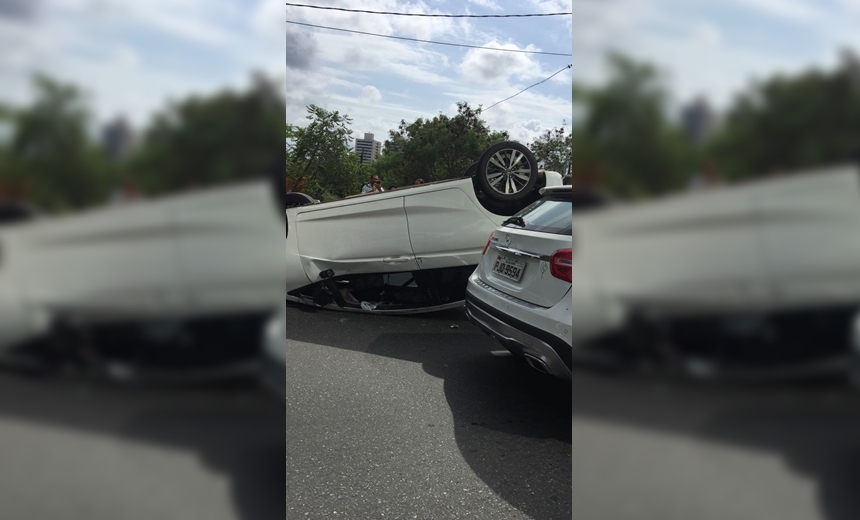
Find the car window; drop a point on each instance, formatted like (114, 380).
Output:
(548, 215)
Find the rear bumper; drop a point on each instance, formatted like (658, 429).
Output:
(543, 350)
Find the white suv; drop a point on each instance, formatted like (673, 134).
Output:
(521, 291)
(761, 277)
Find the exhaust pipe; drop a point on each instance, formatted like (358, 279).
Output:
(536, 363)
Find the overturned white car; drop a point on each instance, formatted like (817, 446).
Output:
(67, 282)
(759, 276)
(410, 249)
(203, 271)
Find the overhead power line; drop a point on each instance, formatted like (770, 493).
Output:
(430, 41)
(527, 15)
(523, 90)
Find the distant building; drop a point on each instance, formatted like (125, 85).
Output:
(367, 148)
(698, 120)
(118, 138)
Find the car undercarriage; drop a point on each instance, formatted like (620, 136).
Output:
(401, 292)
(806, 343)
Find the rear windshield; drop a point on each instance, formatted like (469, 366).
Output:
(547, 215)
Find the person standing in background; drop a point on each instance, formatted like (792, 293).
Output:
(374, 186)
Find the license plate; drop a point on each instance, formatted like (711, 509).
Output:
(509, 268)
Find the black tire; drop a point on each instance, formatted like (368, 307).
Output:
(500, 208)
(294, 200)
(507, 171)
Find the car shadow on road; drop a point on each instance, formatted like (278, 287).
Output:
(812, 426)
(511, 423)
(497, 403)
(234, 428)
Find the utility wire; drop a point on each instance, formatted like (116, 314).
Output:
(523, 90)
(429, 41)
(430, 15)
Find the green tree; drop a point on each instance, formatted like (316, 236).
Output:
(792, 122)
(626, 135)
(49, 151)
(319, 159)
(435, 149)
(210, 140)
(553, 149)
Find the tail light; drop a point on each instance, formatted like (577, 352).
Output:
(488, 244)
(561, 264)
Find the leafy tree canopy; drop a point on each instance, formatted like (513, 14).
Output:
(435, 149)
(319, 159)
(48, 155)
(211, 140)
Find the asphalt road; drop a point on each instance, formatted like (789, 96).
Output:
(653, 449)
(407, 417)
(75, 449)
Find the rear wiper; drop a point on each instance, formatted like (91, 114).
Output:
(515, 220)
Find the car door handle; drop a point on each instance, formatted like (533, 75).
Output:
(396, 259)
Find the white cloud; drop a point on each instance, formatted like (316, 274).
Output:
(413, 27)
(411, 62)
(423, 65)
(86, 42)
(484, 66)
(534, 125)
(371, 95)
(852, 6)
(797, 10)
(125, 57)
(706, 33)
(707, 55)
(489, 4)
(300, 49)
(267, 20)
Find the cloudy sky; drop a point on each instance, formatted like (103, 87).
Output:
(714, 47)
(133, 56)
(711, 48)
(380, 81)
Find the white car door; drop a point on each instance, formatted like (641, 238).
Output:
(366, 234)
(112, 263)
(447, 227)
(811, 238)
(697, 253)
(231, 249)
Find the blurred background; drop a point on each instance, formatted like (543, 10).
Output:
(106, 104)
(108, 101)
(100, 96)
(673, 94)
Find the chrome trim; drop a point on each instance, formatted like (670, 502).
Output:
(513, 299)
(519, 252)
